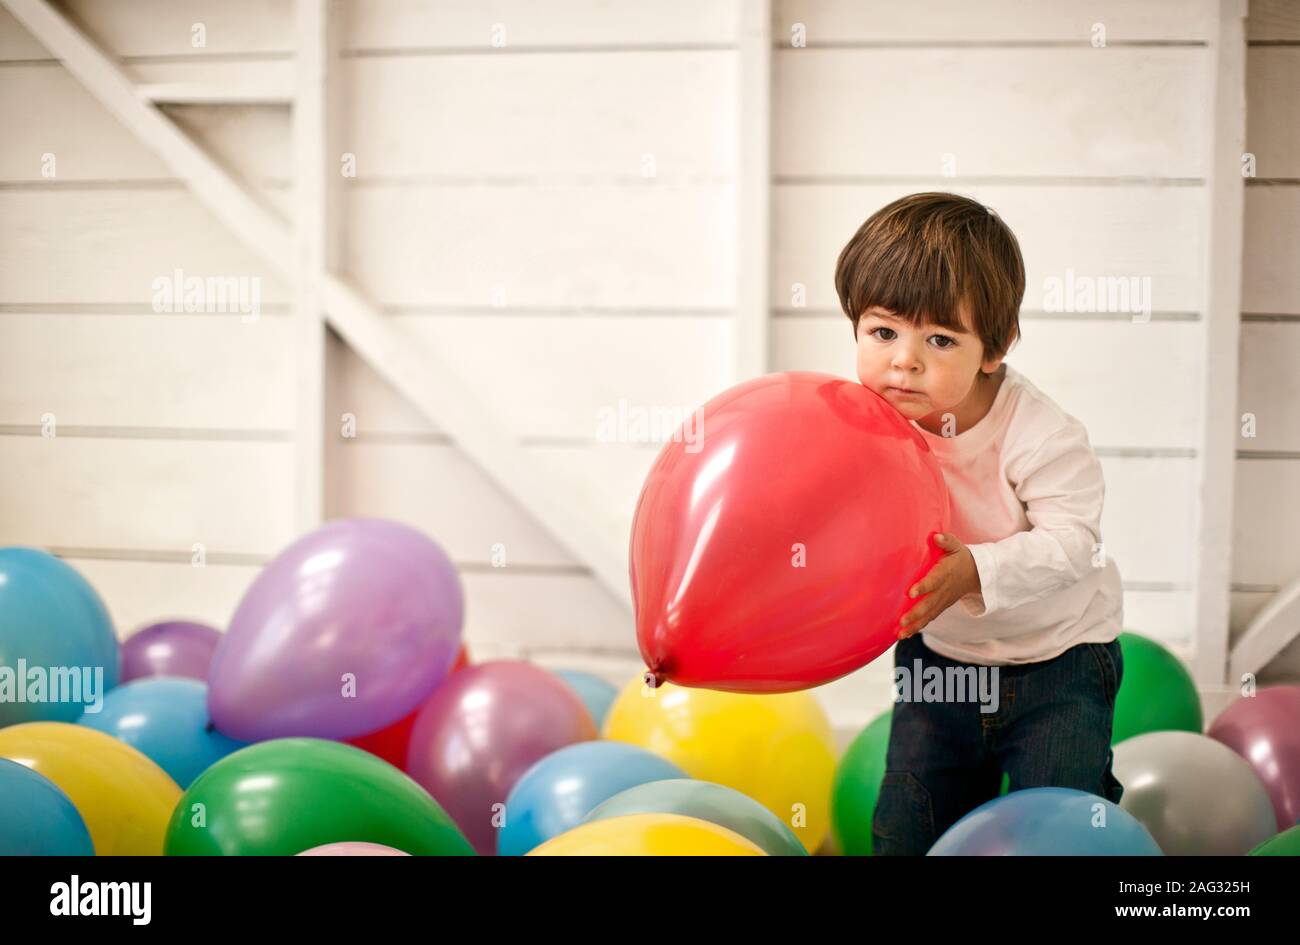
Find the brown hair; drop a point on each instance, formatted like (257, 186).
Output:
(923, 254)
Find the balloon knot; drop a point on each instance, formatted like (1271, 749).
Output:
(209, 728)
(653, 678)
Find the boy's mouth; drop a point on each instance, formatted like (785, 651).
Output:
(903, 392)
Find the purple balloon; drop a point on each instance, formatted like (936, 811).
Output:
(483, 728)
(364, 603)
(174, 648)
(1265, 730)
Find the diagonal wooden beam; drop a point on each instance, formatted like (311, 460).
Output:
(424, 377)
(1269, 633)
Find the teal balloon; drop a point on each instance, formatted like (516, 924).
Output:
(596, 694)
(557, 792)
(1047, 821)
(166, 719)
(52, 621)
(705, 800)
(36, 817)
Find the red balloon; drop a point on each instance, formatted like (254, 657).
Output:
(392, 741)
(774, 552)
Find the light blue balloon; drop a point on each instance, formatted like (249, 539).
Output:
(37, 818)
(53, 621)
(557, 792)
(166, 719)
(596, 694)
(705, 800)
(1048, 821)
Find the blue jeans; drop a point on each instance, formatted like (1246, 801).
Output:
(1051, 728)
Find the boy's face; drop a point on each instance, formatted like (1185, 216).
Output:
(938, 367)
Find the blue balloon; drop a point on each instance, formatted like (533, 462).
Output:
(1048, 821)
(58, 650)
(596, 694)
(557, 792)
(37, 818)
(166, 719)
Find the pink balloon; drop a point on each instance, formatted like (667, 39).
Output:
(352, 848)
(348, 630)
(1265, 730)
(482, 729)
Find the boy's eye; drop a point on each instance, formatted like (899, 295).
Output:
(947, 342)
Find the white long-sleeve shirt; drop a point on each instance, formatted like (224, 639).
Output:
(1027, 492)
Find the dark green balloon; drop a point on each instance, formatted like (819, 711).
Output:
(1287, 843)
(280, 797)
(856, 787)
(705, 800)
(1157, 693)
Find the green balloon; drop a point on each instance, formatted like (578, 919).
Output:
(856, 787)
(705, 800)
(1156, 694)
(1287, 843)
(280, 797)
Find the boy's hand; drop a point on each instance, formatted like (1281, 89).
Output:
(952, 578)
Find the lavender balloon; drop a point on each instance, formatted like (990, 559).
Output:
(349, 629)
(174, 648)
(483, 728)
(1265, 730)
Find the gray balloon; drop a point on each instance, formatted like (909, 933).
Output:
(1195, 795)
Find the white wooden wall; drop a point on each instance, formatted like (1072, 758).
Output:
(503, 214)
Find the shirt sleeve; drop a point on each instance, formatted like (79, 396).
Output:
(1062, 488)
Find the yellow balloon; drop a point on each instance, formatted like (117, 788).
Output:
(648, 835)
(779, 749)
(124, 798)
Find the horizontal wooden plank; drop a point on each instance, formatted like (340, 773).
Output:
(1138, 232)
(1132, 385)
(46, 111)
(1269, 384)
(172, 370)
(50, 112)
(1006, 112)
(623, 246)
(505, 611)
(138, 593)
(166, 27)
(435, 488)
(470, 24)
(147, 495)
(108, 246)
(563, 114)
(550, 376)
(1270, 277)
(992, 21)
(1265, 546)
(1273, 109)
(1146, 522)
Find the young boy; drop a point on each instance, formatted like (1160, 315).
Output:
(933, 284)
